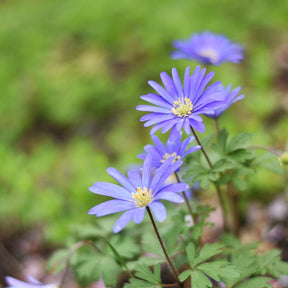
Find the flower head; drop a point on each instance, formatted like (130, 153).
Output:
(208, 48)
(178, 106)
(31, 283)
(174, 148)
(141, 189)
(228, 98)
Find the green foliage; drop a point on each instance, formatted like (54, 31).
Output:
(259, 282)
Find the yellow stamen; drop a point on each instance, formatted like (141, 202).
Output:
(142, 197)
(167, 155)
(183, 107)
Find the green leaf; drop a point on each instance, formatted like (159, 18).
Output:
(207, 252)
(240, 155)
(172, 237)
(184, 275)
(239, 141)
(117, 255)
(138, 283)
(270, 263)
(57, 260)
(222, 138)
(218, 270)
(222, 165)
(259, 282)
(199, 280)
(145, 273)
(190, 252)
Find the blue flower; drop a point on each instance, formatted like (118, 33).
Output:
(174, 148)
(208, 48)
(143, 188)
(179, 106)
(228, 98)
(31, 283)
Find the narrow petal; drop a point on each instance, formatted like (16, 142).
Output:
(159, 211)
(170, 196)
(124, 219)
(158, 88)
(111, 207)
(199, 126)
(161, 174)
(175, 187)
(138, 215)
(146, 171)
(156, 100)
(135, 177)
(191, 150)
(120, 178)
(110, 190)
(148, 108)
(177, 82)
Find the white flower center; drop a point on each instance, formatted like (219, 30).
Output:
(209, 53)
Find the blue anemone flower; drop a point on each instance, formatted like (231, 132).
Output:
(179, 106)
(174, 148)
(228, 97)
(143, 188)
(208, 48)
(31, 283)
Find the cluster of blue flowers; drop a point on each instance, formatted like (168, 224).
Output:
(175, 106)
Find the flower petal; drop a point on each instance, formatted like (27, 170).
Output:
(111, 207)
(170, 196)
(138, 215)
(110, 190)
(120, 178)
(124, 219)
(159, 211)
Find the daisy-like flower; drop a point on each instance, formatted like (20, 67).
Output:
(31, 283)
(143, 188)
(228, 98)
(208, 48)
(174, 148)
(179, 106)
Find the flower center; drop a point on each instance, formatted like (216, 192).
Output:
(210, 54)
(142, 197)
(167, 155)
(183, 107)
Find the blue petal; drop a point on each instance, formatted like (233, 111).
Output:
(159, 211)
(111, 207)
(177, 82)
(146, 171)
(120, 178)
(148, 108)
(158, 88)
(170, 196)
(124, 219)
(161, 174)
(138, 215)
(110, 190)
(156, 100)
(135, 177)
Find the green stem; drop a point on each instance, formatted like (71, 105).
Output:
(234, 207)
(218, 190)
(163, 247)
(194, 217)
(217, 125)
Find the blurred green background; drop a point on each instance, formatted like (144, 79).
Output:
(71, 73)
